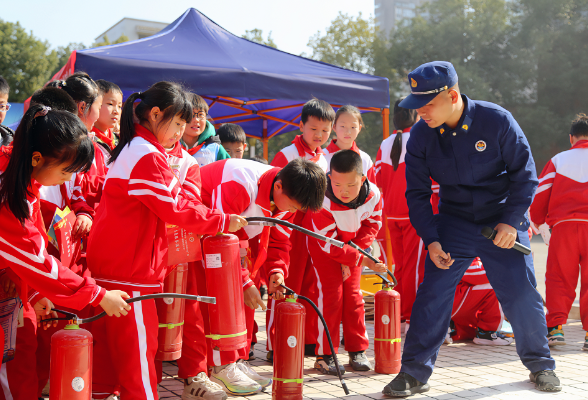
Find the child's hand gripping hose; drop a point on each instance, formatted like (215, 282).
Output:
(291, 292)
(73, 317)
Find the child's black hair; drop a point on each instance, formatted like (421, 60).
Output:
(304, 182)
(319, 109)
(345, 161)
(171, 99)
(231, 133)
(105, 87)
(349, 109)
(198, 103)
(55, 98)
(260, 160)
(80, 87)
(402, 118)
(59, 136)
(580, 126)
(4, 86)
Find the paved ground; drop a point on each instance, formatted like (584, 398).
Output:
(464, 370)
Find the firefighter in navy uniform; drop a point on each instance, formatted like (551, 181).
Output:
(482, 161)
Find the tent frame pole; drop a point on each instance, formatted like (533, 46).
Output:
(385, 122)
(265, 141)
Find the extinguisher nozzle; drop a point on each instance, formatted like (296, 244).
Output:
(345, 388)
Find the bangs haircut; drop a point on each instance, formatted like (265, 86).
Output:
(55, 98)
(304, 182)
(105, 87)
(580, 125)
(198, 103)
(345, 161)
(349, 109)
(319, 109)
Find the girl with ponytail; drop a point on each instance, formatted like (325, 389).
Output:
(127, 248)
(48, 147)
(407, 247)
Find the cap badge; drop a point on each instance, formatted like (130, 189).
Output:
(465, 127)
(413, 83)
(441, 131)
(480, 145)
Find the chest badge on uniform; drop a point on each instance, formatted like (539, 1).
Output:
(480, 145)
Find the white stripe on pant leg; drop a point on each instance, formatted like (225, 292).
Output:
(142, 336)
(321, 329)
(4, 383)
(270, 324)
(416, 284)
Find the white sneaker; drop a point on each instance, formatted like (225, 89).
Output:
(250, 372)
(234, 381)
(448, 339)
(202, 388)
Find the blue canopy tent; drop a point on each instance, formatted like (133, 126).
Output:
(259, 87)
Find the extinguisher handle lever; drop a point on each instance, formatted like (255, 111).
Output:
(374, 259)
(68, 315)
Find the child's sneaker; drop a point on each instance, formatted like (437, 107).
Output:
(202, 388)
(234, 381)
(326, 364)
(555, 337)
(585, 348)
(491, 338)
(250, 372)
(251, 352)
(359, 361)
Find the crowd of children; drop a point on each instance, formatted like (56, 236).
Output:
(126, 171)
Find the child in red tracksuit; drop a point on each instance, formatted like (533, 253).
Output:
(352, 211)
(253, 189)
(408, 250)
(109, 117)
(49, 146)
(561, 201)
(128, 243)
(476, 311)
(347, 125)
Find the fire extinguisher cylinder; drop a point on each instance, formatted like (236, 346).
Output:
(387, 346)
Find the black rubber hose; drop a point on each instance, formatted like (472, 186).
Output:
(79, 321)
(374, 259)
(334, 242)
(343, 384)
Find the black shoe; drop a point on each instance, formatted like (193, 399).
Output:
(310, 350)
(251, 353)
(263, 292)
(326, 364)
(404, 385)
(359, 361)
(546, 381)
(270, 356)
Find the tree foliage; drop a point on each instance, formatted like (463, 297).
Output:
(106, 42)
(256, 35)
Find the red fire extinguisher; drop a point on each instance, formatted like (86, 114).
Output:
(71, 364)
(289, 350)
(170, 313)
(387, 331)
(222, 262)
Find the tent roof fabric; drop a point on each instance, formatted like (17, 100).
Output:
(238, 77)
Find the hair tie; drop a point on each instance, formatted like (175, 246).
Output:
(62, 83)
(42, 112)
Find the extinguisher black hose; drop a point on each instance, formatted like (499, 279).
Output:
(79, 321)
(291, 292)
(374, 259)
(270, 221)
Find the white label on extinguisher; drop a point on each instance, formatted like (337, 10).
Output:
(168, 300)
(77, 384)
(385, 319)
(213, 261)
(292, 341)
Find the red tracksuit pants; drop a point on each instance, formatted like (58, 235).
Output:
(409, 254)
(124, 352)
(338, 301)
(18, 377)
(475, 307)
(568, 248)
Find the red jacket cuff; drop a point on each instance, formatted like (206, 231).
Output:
(247, 284)
(98, 296)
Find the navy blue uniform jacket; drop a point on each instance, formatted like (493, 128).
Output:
(484, 168)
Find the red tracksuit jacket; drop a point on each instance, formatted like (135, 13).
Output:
(562, 194)
(338, 221)
(244, 187)
(299, 149)
(93, 180)
(23, 249)
(366, 160)
(128, 243)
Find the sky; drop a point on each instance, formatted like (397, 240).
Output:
(292, 23)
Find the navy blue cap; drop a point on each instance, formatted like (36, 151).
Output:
(427, 81)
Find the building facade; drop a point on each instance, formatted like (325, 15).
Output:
(389, 13)
(132, 28)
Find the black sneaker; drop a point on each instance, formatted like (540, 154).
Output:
(555, 336)
(585, 348)
(310, 350)
(404, 385)
(491, 338)
(546, 381)
(326, 364)
(263, 292)
(270, 357)
(251, 353)
(359, 361)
